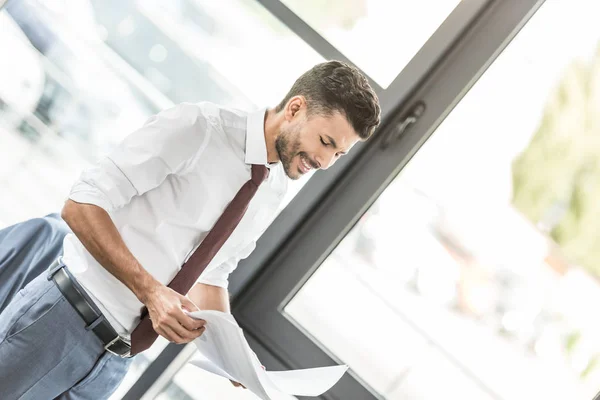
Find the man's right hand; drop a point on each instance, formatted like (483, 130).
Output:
(166, 308)
(95, 229)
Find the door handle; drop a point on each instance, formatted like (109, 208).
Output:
(410, 118)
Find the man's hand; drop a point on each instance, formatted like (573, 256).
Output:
(237, 384)
(96, 230)
(166, 308)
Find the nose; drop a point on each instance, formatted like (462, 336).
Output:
(326, 160)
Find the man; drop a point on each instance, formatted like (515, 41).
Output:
(139, 214)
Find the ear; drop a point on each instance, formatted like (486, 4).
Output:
(294, 107)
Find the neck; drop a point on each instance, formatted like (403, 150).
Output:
(273, 122)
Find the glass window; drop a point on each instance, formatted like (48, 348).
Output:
(475, 274)
(379, 36)
(61, 104)
(83, 77)
(230, 52)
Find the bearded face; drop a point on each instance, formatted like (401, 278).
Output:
(313, 142)
(295, 161)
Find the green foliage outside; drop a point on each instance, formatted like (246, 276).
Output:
(556, 180)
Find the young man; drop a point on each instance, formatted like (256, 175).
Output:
(139, 214)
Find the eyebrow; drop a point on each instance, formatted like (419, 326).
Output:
(335, 144)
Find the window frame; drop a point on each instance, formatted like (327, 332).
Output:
(445, 68)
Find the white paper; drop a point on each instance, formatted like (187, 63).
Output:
(224, 351)
(204, 363)
(295, 381)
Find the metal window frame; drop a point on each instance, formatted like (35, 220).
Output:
(314, 39)
(319, 185)
(451, 42)
(259, 309)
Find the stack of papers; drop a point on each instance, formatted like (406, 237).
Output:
(224, 351)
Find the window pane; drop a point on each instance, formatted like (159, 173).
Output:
(230, 52)
(54, 117)
(80, 78)
(477, 269)
(380, 36)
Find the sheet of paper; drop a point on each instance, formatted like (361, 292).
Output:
(307, 382)
(204, 363)
(224, 351)
(223, 343)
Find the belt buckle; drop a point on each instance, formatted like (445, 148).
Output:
(108, 346)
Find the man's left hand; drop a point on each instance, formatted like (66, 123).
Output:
(237, 384)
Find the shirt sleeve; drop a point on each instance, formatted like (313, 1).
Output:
(219, 276)
(168, 143)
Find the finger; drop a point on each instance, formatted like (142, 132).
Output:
(197, 333)
(188, 322)
(186, 334)
(188, 304)
(237, 384)
(170, 335)
(166, 324)
(171, 327)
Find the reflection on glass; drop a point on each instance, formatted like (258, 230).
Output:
(59, 105)
(230, 52)
(379, 36)
(81, 77)
(475, 274)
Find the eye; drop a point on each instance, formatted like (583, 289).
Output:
(324, 144)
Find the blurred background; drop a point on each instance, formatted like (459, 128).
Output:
(477, 268)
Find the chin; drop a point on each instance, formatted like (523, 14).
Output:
(295, 177)
(293, 173)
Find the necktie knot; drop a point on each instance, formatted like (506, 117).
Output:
(259, 174)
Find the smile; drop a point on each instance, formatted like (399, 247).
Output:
(304, 165)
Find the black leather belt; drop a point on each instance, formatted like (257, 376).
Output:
(88, 311)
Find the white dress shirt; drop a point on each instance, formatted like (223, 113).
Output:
(164, 188)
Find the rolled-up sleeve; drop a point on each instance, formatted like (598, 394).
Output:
(168, 143)
(219, 275)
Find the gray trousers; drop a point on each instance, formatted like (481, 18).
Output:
(26, 251)
(46, 352)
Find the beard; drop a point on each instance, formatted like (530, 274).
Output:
(287, 145)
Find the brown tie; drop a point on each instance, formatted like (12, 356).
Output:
(144, 335)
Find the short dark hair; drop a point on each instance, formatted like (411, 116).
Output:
(336, 86)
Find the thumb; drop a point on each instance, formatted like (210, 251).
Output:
(187, 304)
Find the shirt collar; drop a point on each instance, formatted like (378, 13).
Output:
(256, 146)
